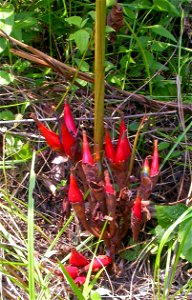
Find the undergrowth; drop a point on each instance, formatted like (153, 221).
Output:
(150, 56)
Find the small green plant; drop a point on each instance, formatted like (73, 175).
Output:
(174, 235)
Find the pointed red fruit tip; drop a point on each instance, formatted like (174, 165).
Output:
(154, 170)
(67, 139)
(109, 189)
(87, 156)
(123, 149)
(51, 137)
(79, 280)
(74, 193)
(137, 210)
(109, 148)
(68, 118)
(99, 262)
(122, 127)
(145, 171)
(77, 259)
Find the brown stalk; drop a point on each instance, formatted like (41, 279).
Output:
(97, 190)
(79, 209)
(111, 207)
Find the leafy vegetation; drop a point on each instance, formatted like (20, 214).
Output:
(147, 68)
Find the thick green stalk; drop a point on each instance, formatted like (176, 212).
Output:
(100, 22)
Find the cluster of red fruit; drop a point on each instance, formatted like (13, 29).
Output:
(79, 266)
(106, 200)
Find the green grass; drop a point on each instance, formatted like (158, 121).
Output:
(152, 61)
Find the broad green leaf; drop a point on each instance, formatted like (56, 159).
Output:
(166, 215)
(163, 145)
(25, 23)
(162, 31)
(92, 14)
(82, 65)
(133, 126)
(6, 19)
(75, 20)
(6, 115)
(84, 22)
(185, 237)
(24, 152)
(159, 46)
(129, 12)
(81, 38)
(5, 78)
(165, 5)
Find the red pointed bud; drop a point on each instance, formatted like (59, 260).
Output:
(67, 139)
(72, 270)
(74, 193)
(77, 259)
(68, 118)
(123, 149)
(154, 170)
(51, 137)
(109, 148)
(87, 156)
(109, 189)
(122, 128)
(79, 280)
(145, 171)
(137, 210)
(99, 262)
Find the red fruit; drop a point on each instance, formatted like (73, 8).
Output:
(154, 170)
(123, 149)
(67, 140)
(77, 259)
(109, 149)
(122, 128)
(79, 280)
(87, 157)
(74, 193)
(51, 137)
(145, 168)
(99, 262)
(72, 270)
(136, 210)
(68, 118)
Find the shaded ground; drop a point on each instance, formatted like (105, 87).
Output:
(133, 280)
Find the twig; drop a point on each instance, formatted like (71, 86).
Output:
(171, 112)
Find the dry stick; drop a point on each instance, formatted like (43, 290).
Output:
(87, 118)
(55, 64)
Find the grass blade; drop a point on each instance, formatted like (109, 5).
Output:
(31, 231)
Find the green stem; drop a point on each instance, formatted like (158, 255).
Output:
(144, 56)
(99, 75)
